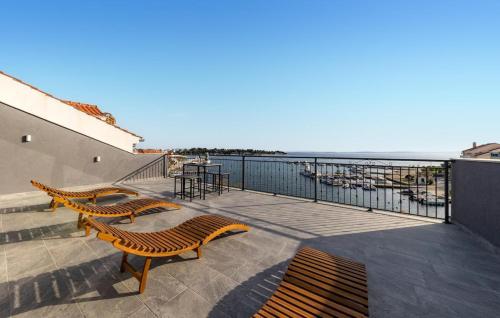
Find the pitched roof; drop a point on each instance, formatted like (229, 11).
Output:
(482, 149)
(89, 109)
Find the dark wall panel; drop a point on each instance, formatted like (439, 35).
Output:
(56, 155)
(476, 197)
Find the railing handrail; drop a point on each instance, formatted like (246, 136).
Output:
(335, 158)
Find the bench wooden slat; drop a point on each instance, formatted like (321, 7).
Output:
(335, 259)
(340, 270)
(317, 284)
(313, 305)
(327, 287)
(294, 305)
(330, 302)
(335, 267)
(263, 314)
(287, 309)
(332, 281)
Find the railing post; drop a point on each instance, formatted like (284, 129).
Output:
(165, 166)
(315, 179)
(446, 192)
(243, 173)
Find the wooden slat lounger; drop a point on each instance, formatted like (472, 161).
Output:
(318, 284)
(131, 209)
(92, 195)
(190, 235)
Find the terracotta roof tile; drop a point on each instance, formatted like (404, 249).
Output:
(140, 150)
(86, 108)
(93, 110)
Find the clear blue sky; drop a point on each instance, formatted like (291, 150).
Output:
(289, 75)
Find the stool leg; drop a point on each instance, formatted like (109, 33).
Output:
(191, 189)
(183, 188)
(175, 187)
(199, 187)
(220, 184)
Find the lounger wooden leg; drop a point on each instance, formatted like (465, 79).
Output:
(51, 204)
(87, 226)
(141, 277)
(124, 260)
(54, 206)
(132, 218)
(94, 199)
(144, 275)
(198, 252)
(79, 224)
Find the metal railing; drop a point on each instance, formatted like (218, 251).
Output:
(411, 186)
(157, 169)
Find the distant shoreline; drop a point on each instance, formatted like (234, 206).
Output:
(445, 155)
(225, 152)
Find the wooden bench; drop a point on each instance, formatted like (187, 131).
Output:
(318, 284)
(91, 195)
(190, 235)
(130, 209)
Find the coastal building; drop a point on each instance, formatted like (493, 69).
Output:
(58, 141)
(149, 151)
(485, 151)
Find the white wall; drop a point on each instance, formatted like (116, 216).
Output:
(27, 99)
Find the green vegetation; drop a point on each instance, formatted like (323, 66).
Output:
(223, 151)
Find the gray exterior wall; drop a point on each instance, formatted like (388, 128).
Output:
(56, 156)
(476, 197)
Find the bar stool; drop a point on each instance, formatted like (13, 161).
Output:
(217, 181)
(194, 188)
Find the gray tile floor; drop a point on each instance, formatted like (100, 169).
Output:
(415, 268)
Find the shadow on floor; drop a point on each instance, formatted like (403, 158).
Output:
(95, 280)
(44, 207)
(425, 271)
(61, 230)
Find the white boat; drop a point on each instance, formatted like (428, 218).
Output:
(324, 180)
(308, 173)
(369, 187)
(407, 192)
(337, 183)
(431, 200)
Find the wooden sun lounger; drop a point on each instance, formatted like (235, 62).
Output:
(318, 284)
(190, 235)
(130, 209)
(91, 195)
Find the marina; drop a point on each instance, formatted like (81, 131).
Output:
(411, 187)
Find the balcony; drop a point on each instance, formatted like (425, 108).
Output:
(416, 266)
